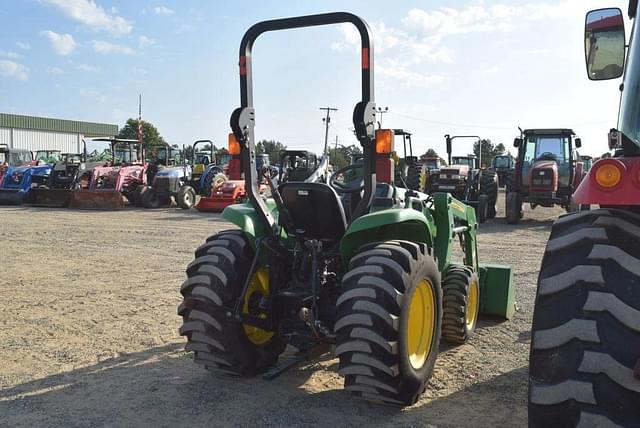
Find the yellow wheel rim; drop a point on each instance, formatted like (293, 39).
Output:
(259, 284)
(421, 324)
(471, 312)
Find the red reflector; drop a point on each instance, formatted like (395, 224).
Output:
(243, 65)
(365, 58)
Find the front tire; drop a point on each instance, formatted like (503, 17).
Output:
(389, 322)
(489, 187)
(513, 207)
(215, 280)
(460, 303)
(186, 197)
(584, 366)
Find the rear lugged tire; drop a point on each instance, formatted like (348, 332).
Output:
(213, 180)
(414, 176)
(585, 342)
(482, 210)
(489, 187)
(151, 199)
(137, 195)
(389, 322)
(513, 207)
(186, 197)
(215, 281)
(460, 303)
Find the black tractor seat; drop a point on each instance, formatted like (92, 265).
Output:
(315, 209)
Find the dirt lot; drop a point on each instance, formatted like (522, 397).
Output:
(88, 328)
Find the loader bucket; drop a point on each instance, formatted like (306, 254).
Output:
(96, 200)
(53, 198)
(11, 197)
(497, 293)
(214, 203)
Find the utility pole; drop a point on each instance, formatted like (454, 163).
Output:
(380, 111)
(140, 150)
(326, 121)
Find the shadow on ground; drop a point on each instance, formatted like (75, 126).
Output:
(162, 387)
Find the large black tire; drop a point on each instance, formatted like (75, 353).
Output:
(586, 324)
(489, 187)
(513, 207)
(137, 195)
(212, 180)
(414, 172)
(460, 303)
(382, 356)
(186, 197)
(482, 210)
(510, 181)
(151, 199)
(215, 280)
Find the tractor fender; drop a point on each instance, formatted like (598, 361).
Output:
(397, 223)
(624, 193)
(246, 218)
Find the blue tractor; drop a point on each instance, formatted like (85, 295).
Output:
(19, 180)
(171, 181)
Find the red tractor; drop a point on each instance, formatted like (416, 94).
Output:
(547, 172)
(584, 365)
(125, 175)
(227, 188)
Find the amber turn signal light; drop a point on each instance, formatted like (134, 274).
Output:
(234, 145)
(608, 175)
(384, 141)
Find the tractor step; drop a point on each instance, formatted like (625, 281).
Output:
(296, 359)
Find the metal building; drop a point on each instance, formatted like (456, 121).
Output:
(41, 133)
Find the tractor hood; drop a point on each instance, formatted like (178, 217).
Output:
(461, 170)
(175, 171)
(33, 170)
(545, 164)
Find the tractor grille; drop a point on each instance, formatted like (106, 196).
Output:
(166, 184)
(542, 178)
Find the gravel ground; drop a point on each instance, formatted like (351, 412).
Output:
(88, 328)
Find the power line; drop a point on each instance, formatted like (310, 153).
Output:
(437, 122)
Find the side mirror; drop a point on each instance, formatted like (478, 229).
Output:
(604, 43)
(517, 142)
(578, 142)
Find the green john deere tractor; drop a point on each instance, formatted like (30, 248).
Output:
(373, 278)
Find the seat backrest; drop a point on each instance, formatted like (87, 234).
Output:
(314, 208)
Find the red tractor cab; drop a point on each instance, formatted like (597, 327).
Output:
(547, 172)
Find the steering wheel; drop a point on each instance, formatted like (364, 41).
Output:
(547, 156)
(345, 187)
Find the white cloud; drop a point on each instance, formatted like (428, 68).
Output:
(88, 13)
(54, 71)
(23, 46)
(103, 47)
(409, 78)
(62, 44)
(144, 41)
(184, 28)
(162, 10)
(86, 67)
(93, 94)
(14, 70)
(9, 54)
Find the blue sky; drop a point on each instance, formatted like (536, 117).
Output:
(458, 67)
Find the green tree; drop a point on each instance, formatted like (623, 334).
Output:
(341, 156)
(150, 138)
(431, 153)
(500, 148)
(272, 148)
(488, 151)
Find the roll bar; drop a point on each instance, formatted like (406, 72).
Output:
(243, 118)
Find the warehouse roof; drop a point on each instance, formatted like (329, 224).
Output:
(88, 129)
